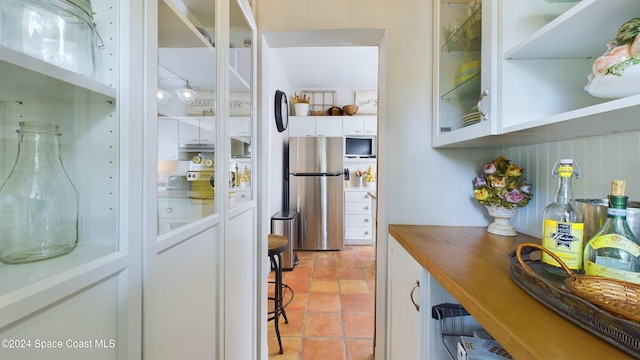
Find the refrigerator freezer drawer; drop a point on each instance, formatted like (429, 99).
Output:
(320, 212)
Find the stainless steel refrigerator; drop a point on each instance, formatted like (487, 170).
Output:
(316, 193)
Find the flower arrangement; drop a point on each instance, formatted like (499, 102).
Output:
(500, 185)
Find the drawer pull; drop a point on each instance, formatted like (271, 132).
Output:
(366, 233)
(415, 286)
(366, 208)
(366, 220)
(169, 210)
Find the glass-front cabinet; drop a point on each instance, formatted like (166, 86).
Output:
(464, 62)
(70, 199)
(240, 111)
(186, 97)
(59, 109)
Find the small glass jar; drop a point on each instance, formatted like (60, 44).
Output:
(60, 32)
(38, 201)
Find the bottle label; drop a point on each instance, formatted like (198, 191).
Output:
(595, 269)
(565, 241)
(613, 212)
(617, 242)
(565, 170)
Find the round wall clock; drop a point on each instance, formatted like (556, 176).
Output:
(281, 111)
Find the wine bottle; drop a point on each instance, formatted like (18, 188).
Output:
(614, 251)
(563, 227)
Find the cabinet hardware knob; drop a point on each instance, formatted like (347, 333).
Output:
(415, 286)
(366, 220)
(169, 210)
(366, 208)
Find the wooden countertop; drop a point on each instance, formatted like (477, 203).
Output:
(473, 266)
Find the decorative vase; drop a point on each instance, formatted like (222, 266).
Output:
(500, 224)
(301, 109)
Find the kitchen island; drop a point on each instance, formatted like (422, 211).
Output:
(472, 265)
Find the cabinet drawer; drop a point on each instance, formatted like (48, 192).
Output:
(358, 220)
(357, 208)
(243, 195)
(172, 209)
(357, 196)
(358, 232)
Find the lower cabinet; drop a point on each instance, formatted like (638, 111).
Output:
(412, 332)
(406, 305)
(358, 218)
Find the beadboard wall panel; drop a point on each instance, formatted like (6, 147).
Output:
(600, 158)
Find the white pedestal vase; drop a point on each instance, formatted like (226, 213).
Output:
(501, 225)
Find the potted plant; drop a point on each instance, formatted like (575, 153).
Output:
(502, 191)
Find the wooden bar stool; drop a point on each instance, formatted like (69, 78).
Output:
(277, 245)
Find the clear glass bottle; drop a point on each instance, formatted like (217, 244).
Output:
(563, 225)
(38, 202)
(614, 251)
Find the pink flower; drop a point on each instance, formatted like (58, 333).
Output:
(489, 168)
(479, 181)
(514, 196)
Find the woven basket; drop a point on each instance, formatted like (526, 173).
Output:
(616, 296)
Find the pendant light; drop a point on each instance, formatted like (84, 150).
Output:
(186, 94)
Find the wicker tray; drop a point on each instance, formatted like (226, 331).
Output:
(550, 291)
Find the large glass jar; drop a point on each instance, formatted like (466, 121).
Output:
(60, 32)
(38, 202)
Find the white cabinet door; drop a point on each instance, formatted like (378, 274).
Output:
(353, 125)
(360, 125)
(466, 62)
(370, 125)
(302, 126)
(167, 139)
(189, 132)
(240, 126)
(329, 126)
(405, 314)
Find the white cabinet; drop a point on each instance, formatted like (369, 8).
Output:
(303, 126)
(92, 293)
(465, 65)
(406, 304)
(358, 218)
(360, 125)
(538, 85)
(240, 127)
(196, 130)
(167, 139)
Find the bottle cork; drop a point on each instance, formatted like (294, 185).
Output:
(618, 187)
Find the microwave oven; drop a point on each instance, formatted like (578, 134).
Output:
(360, 147)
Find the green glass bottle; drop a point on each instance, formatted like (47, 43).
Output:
(614, 251)
(563, 227)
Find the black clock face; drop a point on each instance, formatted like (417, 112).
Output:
(281, 111)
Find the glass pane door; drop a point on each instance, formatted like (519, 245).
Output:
(186, 113)
(240, 105)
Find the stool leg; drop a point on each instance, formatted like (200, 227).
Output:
(284, 312)
(277, 295)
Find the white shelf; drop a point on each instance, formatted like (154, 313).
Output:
(26, 78)
(578, 33)
(175, 30)
(601, 119)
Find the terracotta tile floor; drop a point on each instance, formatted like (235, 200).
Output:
(332, 313)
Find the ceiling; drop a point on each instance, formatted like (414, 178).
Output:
(328, 58)
(330, 67)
